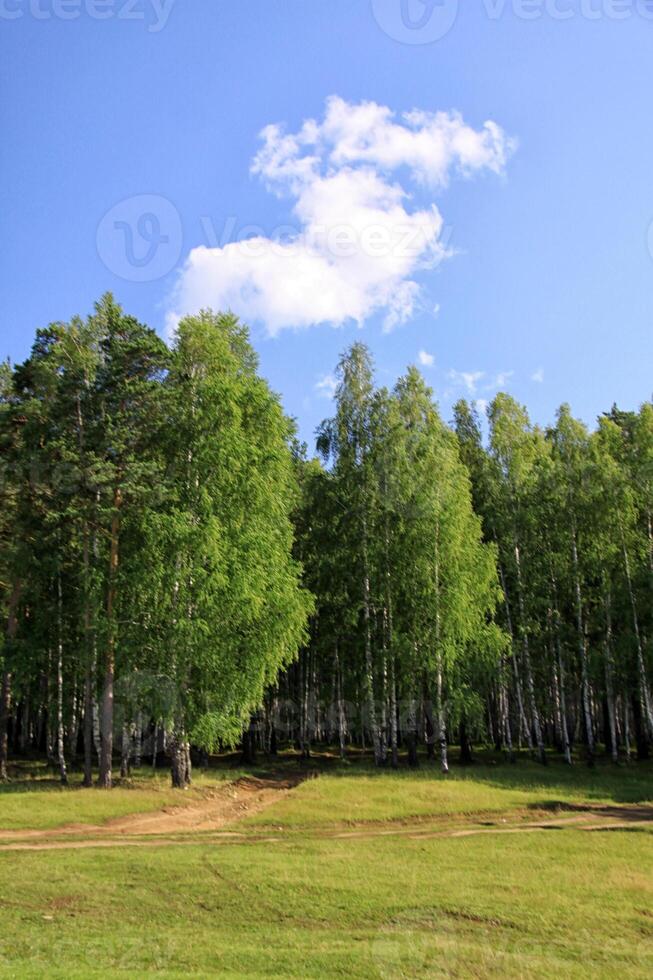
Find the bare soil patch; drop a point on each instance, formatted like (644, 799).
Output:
(215, 815)
(220, 807)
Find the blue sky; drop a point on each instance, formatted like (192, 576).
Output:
(143, 124)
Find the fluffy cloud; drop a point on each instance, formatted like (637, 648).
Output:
(359, 240)
(425, 358)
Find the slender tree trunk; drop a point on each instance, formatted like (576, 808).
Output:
(515, 666)
(88, 726)
(106, 715)
(189, 767)
(73, 730)
(530, 685)
(383, 726)
(5, 686)
(582, 652)
(138, 740)
(609, 675)
(306, 707)
(506, 728)
(89, 651)
(369, 663)
(97, 742)
(411, 733)
(125, 751)
(61, 758)
(625, 707)
(394, 739)
(25, 725)
(442, 729)
(564, 728)
(555, 695)
(89, 674)
(304, 744)
(340, 708)
(5, 708)
(428, 720)
(389, 628)
(644, 690)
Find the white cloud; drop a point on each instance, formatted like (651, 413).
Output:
(426, 359)
(468, 379)
(326, 386)
(481, 405)
(471, 382)
(359, 240)
(436, 310)
(538, 376)
(431, 144)
(500, 381)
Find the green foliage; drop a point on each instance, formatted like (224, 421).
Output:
(223, 589)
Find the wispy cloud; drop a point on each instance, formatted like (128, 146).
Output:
(503, 378)
(499, 381)
(538, 376)
(479, 381)
(326, 386)
(467, 379)
(359, 242)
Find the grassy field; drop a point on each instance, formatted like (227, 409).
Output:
(35, 799)
(344, 876)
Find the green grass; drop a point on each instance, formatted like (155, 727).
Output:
(358, 794)
(556, 903)
(34, 800)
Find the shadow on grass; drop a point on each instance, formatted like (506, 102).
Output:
(626, 783)
(632, 783)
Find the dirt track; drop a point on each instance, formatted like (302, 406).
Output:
(224, 806)
(216, 816)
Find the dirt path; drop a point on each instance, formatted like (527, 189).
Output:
(223, 806)
(587, 817)
(250, 795)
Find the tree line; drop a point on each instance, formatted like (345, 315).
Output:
(177, 574)
(147, 564)
(496, 590)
